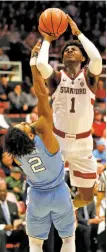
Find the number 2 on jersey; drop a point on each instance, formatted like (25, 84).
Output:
(35, 167)
(72, 110)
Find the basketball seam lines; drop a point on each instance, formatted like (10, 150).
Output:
(62, 29)
(45, 25)
(52, 23)
(45, 32)
(59, 23)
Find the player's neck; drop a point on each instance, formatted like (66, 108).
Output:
(73, 69)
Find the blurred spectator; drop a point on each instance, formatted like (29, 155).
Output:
(98, 125)
(101, 245)
(35, 110)
(86, 218)
(102, 108)
(96, 31)
(15, 183)
(33, 116)
(11, 227)
(102, 40)
(26, 85)
(4, 40)
(21, 209)
(23, 33)
(100, 152)
(32, 99)
(101, 192)
(5, 121)
(71, 9)
(4, 88)
(104, 136)
(18, 100)
(3, 56)
(30, 40)
(6, 162)
(101, 92)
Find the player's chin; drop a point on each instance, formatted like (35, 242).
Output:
(71, 60)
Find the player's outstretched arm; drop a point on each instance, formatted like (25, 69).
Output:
(39, 87)
(44, 125)
(95, 64)
(51, 77)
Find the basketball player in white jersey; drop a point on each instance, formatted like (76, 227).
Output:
(73, 93)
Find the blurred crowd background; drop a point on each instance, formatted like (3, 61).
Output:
(18, 35)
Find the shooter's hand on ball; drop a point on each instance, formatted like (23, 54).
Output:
(74, 27)
(47, 37)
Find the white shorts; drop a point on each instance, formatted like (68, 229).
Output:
(82, 164)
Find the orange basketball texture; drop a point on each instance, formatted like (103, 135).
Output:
(53, 21)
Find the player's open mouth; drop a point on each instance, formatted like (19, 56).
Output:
(71, 55)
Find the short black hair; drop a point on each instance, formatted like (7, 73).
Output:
(17, 142)
(79, 45)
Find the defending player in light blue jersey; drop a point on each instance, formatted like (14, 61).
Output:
(36, 149)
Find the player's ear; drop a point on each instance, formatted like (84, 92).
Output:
(83, 58)
(31, 135)
(63, 60)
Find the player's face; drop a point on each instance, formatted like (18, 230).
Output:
(72, 53)
(25, 127)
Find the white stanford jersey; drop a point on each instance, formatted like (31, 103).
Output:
(73, 105)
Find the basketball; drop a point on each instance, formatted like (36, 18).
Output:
(53, 21)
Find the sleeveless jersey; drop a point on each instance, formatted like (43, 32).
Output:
(73, 105)
(43, 170)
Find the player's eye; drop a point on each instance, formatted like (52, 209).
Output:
(66, 49)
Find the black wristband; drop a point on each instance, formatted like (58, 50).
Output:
(35, 54)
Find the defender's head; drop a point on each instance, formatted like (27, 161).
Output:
(73, 51)
(19, 139)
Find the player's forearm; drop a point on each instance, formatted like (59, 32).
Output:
(95, 64)
(42, 61)
(38, 82)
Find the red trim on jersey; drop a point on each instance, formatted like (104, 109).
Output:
(92, 101)
(85, 69)
(84, 175)
(75, 75)
(75, 136)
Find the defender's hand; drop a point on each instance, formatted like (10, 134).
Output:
(47, 37)
(37, 47)
(74, 27)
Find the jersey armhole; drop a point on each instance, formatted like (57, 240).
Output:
(89, 86)
(37, 138)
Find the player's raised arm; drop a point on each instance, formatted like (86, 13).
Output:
(52, 77)
(44, 125)
(95, 64)
(40, 89)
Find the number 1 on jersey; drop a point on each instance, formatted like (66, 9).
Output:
(72, 110)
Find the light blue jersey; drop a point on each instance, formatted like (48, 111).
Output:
(43, 170)
(48, 196)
